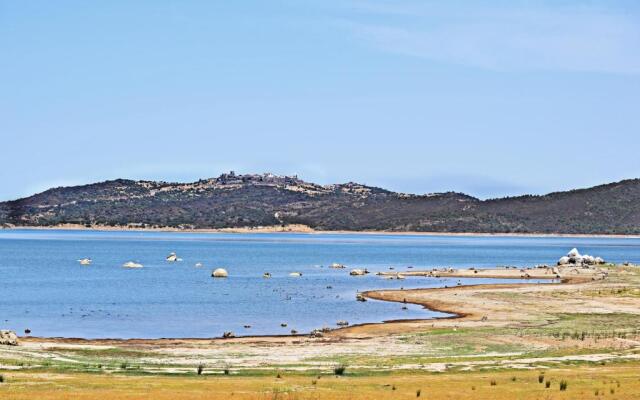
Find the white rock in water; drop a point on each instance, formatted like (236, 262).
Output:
(563, 260)
(131, 264)
(220, 273)
(357, 272)
(598, 260)
(587, 259)
(295, 274)
(573, 253)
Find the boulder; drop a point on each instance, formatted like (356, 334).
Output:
(357, 272)
(131, 264)
(573, 253)
(8, 338)
(220, 273)
(598, 260)
(296, 274)
(563, 260)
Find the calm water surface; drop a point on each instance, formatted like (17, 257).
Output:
(43, 287)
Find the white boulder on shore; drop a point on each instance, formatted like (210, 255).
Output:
(8, 338)
(576, 259)
(220, 273)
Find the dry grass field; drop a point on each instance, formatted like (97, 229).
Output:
(614, 381)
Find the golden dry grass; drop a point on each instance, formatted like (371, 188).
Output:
(614, 381)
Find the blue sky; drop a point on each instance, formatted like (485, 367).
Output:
(490, 98)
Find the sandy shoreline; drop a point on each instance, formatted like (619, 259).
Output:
(309, 230)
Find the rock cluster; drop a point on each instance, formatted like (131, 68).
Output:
(8, 338)
(574, 258)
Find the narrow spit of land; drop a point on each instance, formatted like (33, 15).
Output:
(585, 330)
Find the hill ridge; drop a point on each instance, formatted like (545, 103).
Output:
(251, 200)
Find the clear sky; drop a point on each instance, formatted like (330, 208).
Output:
(491, 98)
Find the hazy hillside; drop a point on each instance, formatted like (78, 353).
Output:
(260, 200)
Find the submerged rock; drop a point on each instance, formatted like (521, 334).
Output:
(131, 264)
(358, 272)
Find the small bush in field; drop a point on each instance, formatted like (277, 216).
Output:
(563, 385)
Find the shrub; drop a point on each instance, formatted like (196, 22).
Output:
(493, 382)
(418, 393)
(200, 369)
(563, 385)
(1, 378)
(547, 384)
(540, 378)
(513, 379)
(339, 369)
(124, 365)
(227, 371)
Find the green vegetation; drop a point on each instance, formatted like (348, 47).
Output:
(339, 369)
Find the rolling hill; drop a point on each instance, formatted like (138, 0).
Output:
(232, 200)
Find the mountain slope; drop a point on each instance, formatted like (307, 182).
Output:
(262, 200)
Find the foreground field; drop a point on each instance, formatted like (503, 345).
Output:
(505, 338)
(616, 381)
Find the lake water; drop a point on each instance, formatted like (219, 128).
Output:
(45, 289)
